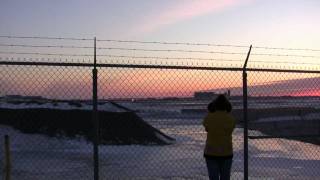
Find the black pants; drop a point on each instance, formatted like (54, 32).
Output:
(219, 168)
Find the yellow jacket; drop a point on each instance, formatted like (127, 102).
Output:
(219, 126)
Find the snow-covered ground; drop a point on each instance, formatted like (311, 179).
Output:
(37, 157)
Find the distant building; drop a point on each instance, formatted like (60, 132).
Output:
(204, 95)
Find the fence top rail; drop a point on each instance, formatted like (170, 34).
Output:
(19, 63)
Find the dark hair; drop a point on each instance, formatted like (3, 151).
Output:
(220, 103)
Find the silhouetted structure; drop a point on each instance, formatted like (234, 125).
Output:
(205, 95)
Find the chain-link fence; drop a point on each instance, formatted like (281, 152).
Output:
(151, 99)
(46, 131)
(177, 120)
(284, 122)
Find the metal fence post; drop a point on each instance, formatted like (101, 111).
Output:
(245, 116)
(95, 115)
(7, 166)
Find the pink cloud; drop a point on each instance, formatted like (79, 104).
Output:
(183, 10)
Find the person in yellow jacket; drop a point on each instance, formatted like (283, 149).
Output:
(218, 152)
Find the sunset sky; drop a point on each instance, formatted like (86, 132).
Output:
(285, 23)
(271, 23)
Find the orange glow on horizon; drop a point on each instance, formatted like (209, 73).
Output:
(307, 93)
(163, 83)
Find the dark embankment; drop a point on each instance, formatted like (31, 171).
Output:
(302, 130)
(295, 125)
(117, 128)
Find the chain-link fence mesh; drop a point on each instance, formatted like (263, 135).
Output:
(150, 121)
(152, 97)
(284, 111)
(46, 132)
(177, 150)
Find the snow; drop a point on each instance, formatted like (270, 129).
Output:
(37, 157)
(40, 157)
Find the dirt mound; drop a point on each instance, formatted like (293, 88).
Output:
(117, 128)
